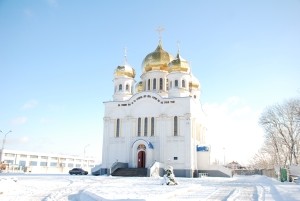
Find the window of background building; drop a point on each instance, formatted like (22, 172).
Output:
(10, 155)
(32, 163)
(22, 163)
(9, 161)
(34, 156)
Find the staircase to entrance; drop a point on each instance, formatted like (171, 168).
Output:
(130, 172)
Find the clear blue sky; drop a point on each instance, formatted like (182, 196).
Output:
(57, 60)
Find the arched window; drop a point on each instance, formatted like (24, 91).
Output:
(175, 126)
(152, 126)
(139, 126)
(118, 128)
(160, 84)
(183, 83)
(127, 87)
(176, 83)
(120, 87)
(148, 84)
(145, 126)
(154, 83)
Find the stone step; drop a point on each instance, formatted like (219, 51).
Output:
(130, 172)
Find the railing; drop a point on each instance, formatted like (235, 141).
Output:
(216, 171)
(115, 166)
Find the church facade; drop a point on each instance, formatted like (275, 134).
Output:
(157, 119)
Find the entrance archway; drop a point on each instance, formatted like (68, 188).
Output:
(141, 159)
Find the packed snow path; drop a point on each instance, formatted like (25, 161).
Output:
(91, 188)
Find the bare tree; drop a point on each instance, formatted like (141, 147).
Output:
(281, 124)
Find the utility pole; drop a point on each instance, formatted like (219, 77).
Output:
(3, 144)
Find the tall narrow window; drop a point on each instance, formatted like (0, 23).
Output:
(160, 84)
(120, 87)
(154, 83)
(127, 87)
(118, 128)
(145, 126)
(139, 126)
(176, 83)
(152, 126)
(149, 84)
(175, 126)
(167, 82)
(170, 85)
(183, 83)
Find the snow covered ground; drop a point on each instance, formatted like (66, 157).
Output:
(30, 187)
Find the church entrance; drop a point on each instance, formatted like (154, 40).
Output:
(141, 159)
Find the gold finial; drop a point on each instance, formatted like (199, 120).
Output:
(160, 30)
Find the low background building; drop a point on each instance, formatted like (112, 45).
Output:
(44, 163)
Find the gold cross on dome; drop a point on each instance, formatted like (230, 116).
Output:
(178, 46)
(160, 30)
(125, 54)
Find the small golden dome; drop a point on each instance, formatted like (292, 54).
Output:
(194, 83)
(139, 86)
(179, 64)
(157, 60)
(125, 70)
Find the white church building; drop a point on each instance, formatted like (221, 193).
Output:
(157, 119)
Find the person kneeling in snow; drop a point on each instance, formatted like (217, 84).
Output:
(169, 177)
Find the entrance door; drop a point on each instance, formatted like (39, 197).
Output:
(141, 159)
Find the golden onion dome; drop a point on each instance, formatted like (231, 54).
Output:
(179, 64)
(139, 86)
(125, 70)
(157, 60)
(194, 83)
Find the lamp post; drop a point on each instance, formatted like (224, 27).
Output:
(224, 156)
(84, 151)
(3, 144)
